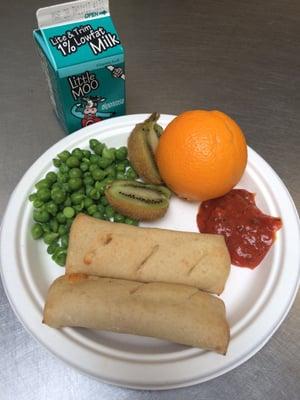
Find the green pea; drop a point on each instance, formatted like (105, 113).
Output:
(87, 174)
(59, 256)
(120, 167)
(109, 211)
(52, 248)
(67, 202)
(104, 162)
(38, 203)
(64, 240)
(86, 153)
(92, 167)
(130, 221)
(41, 215)
(56, 162)
(94, 159)
(58, 195)
(62, 230)
(88, 189)
(37, 231)
(86, 160)
(130, 174)
(94, 194)
(77, 153)
(44, 194)
(98, 174)
(109, 153)
(56, 185)
(119, 218)
(75, 173)
(78, 207)
(61, 219)
(32, 196)
(42, 184)
(50, 237)
(92, 209)
(121, 153)
(98, 215)
(75, 183)
(62, 177)
(104, 201)
(46, 227)
(69, 212)
(64, 168)
(99, 187)
(65, 187)
(88, 202)
(93, 143)
(51, 177)
(69, 223)
(84, 166)
(111, 171)
(120, 176)
(98, 149)
(52, 208)
(64, 155)
(77, 197)
(72, 162)
(101, 208)
(53, 225)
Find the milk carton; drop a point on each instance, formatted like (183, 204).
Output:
(83, 59)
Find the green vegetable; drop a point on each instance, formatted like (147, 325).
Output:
(37, 231)
(73, 161)
(51, 177)
(130, 221)
(76, 186)
(69, 212)
(50, 237)
(64, 155)
(75, 183)
(121, 153)
(92, 209)
(58, 195)
(60, 256)
(41, 215)
(78, 153)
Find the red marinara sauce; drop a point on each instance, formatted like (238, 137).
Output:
(248, 232)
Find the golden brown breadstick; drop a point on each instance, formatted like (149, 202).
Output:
(178, 313)
(147, 254)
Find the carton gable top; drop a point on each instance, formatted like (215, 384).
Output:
(77, 32)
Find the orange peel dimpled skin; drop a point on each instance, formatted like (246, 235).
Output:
(201, 154)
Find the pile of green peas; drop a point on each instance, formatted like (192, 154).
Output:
(76, 187)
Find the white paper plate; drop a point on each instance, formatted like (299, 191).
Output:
(257, 300)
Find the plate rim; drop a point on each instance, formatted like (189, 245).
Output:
(96, 130)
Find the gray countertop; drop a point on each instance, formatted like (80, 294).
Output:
(241, 57)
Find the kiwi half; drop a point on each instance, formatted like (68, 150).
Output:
(138, 200)
(142, 144)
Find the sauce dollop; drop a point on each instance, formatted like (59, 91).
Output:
(248, 232)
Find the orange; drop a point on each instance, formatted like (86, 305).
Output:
(201, 154)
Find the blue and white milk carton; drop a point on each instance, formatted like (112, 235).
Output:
(84, 62)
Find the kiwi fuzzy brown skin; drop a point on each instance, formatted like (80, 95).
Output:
(141, 144)
(137, 200)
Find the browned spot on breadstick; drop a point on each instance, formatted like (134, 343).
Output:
(142, 264)
(88, 258)
(76, 277)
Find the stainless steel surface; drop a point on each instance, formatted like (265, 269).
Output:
(238, 56)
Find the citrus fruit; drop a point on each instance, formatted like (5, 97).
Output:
(201, 154)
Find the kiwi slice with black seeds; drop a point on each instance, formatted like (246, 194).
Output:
(138, 200)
